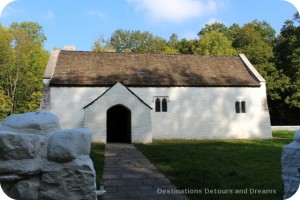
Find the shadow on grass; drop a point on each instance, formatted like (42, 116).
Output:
(97, 156)
(251, 167)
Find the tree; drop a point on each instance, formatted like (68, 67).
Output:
(136, 41)
(31, 60)
(215, 43)
(6, 59)
(250, 42)
(5, 104)
(102, 45)
(8, 76)
(286, 49)
(187, 46)
(172, 46)
(214, 27)
(265, 29)
(233, 31)
(287, 58)
(21, 78)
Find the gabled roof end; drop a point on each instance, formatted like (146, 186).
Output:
(251, 68)
(51, 63)
(122, 85)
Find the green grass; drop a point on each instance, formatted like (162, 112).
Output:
(97, 156)
(242, 165)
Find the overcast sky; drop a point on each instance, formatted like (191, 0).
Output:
(81, 22)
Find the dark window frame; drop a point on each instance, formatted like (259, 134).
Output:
(157, 105)
(240, 106)
(243, 106)
(237, 107)
(164, 105)
(161, 103)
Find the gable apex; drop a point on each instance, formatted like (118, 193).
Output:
(118, 86)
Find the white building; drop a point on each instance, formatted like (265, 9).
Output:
(127, 97)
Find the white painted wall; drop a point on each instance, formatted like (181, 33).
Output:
(96, 118)
(207, 112)
(68, 102)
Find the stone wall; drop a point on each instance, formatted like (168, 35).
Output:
(290, 161)
(39, 161)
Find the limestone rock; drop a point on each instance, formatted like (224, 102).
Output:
(40, 162)
(75, 182)
(33, 122)
(20, 169)
(16, 146)
(26, 189)
(66, 145)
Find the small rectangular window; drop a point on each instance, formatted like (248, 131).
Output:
(161, 103)
(237, 107)
(157, 105)
(243, 105)
(164, 105)
(240, 106)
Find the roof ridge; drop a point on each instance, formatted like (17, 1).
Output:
(147, 53)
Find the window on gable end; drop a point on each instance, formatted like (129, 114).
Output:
(157, 105)
(240, 106)
(164, 105)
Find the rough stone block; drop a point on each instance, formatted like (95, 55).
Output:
(29, 143)
(66, 145)
(33, 122)
(76, 181)
(26, 189)
(17, 146)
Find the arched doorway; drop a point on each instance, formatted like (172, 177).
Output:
(118, 124)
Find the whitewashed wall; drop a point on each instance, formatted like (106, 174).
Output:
(95, 114)
(68, 102)
(207, 112)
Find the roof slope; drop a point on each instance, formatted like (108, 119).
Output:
(81, 68)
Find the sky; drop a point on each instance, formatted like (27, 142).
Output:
(82, 22)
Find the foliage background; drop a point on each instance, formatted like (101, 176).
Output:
(22, 63)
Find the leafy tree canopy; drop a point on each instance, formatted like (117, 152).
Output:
(136, 41)
(215, 43)
(22, 61)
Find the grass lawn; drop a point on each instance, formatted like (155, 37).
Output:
(240, 167)
(97, 156)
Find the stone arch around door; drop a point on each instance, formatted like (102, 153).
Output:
(96, 118)
(118, 124)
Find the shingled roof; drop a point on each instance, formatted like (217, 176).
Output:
(82, 68)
